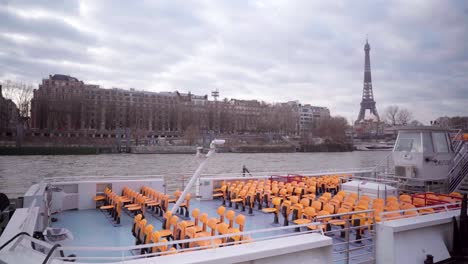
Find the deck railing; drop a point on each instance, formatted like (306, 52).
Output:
(351, 250)
(348, 249)
(178, 181)
(444, 207)
(133, 252)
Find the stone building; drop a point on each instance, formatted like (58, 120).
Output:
(310, 116)
(9, 116)
(63, 103)
(66, 106)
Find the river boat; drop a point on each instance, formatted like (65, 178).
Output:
(375, 146)
(410, 208)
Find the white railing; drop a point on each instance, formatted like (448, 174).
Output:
(445, 207)
(385, 167)
(122, 251)
(178, 181)
(125, 253)
(345, 255)
(206, 175)
(458, 141)
(99, 178)
(459, 170)
(342, 252)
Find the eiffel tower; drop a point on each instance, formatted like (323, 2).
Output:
(367, 94)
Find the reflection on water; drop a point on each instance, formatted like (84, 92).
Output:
(17, 173)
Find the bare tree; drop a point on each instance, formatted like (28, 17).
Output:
(416, 123)
(20, 93)
(333, 127)
(391, 114)
(192, 134)
(404, 117)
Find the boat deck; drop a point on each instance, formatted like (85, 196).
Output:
(93, 228)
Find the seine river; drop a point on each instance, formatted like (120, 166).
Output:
(17, 173)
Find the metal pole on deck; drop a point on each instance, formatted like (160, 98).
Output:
(197, 173)
(347, 228)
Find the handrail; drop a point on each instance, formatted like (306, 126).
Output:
(46, 260)
(376, 180)
(204, 175)
(245, 234)
(459, 178)
(460, 173)
(13, 238)
(456, 142)
(210, 238)
(444, 205)
(184, 241)
(176, 242)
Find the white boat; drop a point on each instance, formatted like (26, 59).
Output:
(376, 146)
(402, 211)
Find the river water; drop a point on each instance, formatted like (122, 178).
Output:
(17, 173)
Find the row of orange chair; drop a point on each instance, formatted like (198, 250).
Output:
(112, 205)
(249, 192)
(175, 230)
(159, 202)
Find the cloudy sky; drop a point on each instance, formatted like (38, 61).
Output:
(274, 50)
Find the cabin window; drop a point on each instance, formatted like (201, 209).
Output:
(410, 142)
(440, 142)
(427, 142)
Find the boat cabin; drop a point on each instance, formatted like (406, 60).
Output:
(424, 153)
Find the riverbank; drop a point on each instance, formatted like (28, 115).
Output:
(327, 147)
(170, 149)
(80, 150)
(13, 151)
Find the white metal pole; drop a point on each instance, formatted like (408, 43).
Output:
(197, 173)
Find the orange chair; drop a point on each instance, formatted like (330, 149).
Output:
(220, 211)
(185, 206)
(275, 210)
(154, 239)
(341, 220)
(405, 198)
(147, 238)
(141, 232)
(204, 220)
(317, 205)
(180, 232)
(212, 224)
(308, 214)
(136, 224)
(221, 192)
(223, 229)
(306, 202)
(285, 211)
(230, 216)
(324, 224)
(240, 221)
(166, 232)
(177, 194)
(329, 208)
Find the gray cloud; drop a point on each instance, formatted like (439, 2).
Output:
(268, 50)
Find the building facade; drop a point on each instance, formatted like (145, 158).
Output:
(309, 116)
(66, 106)
(9, 116)
(63, 103)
